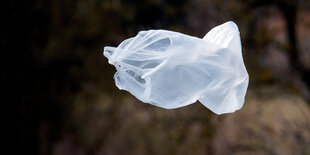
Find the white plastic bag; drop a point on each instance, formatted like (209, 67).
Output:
(170, 70)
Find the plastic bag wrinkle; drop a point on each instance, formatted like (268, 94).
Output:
(171, 70)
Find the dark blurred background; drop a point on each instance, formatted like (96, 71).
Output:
(64, 99)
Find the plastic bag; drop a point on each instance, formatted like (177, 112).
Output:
(171, 70)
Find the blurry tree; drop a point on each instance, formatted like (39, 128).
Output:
(289, 9)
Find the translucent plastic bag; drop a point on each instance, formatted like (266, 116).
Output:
(170, 70)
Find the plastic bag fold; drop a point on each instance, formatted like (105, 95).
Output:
(171, 70)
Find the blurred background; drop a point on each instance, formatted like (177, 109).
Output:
(61, 87)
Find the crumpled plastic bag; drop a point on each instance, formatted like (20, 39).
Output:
(171, 70)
